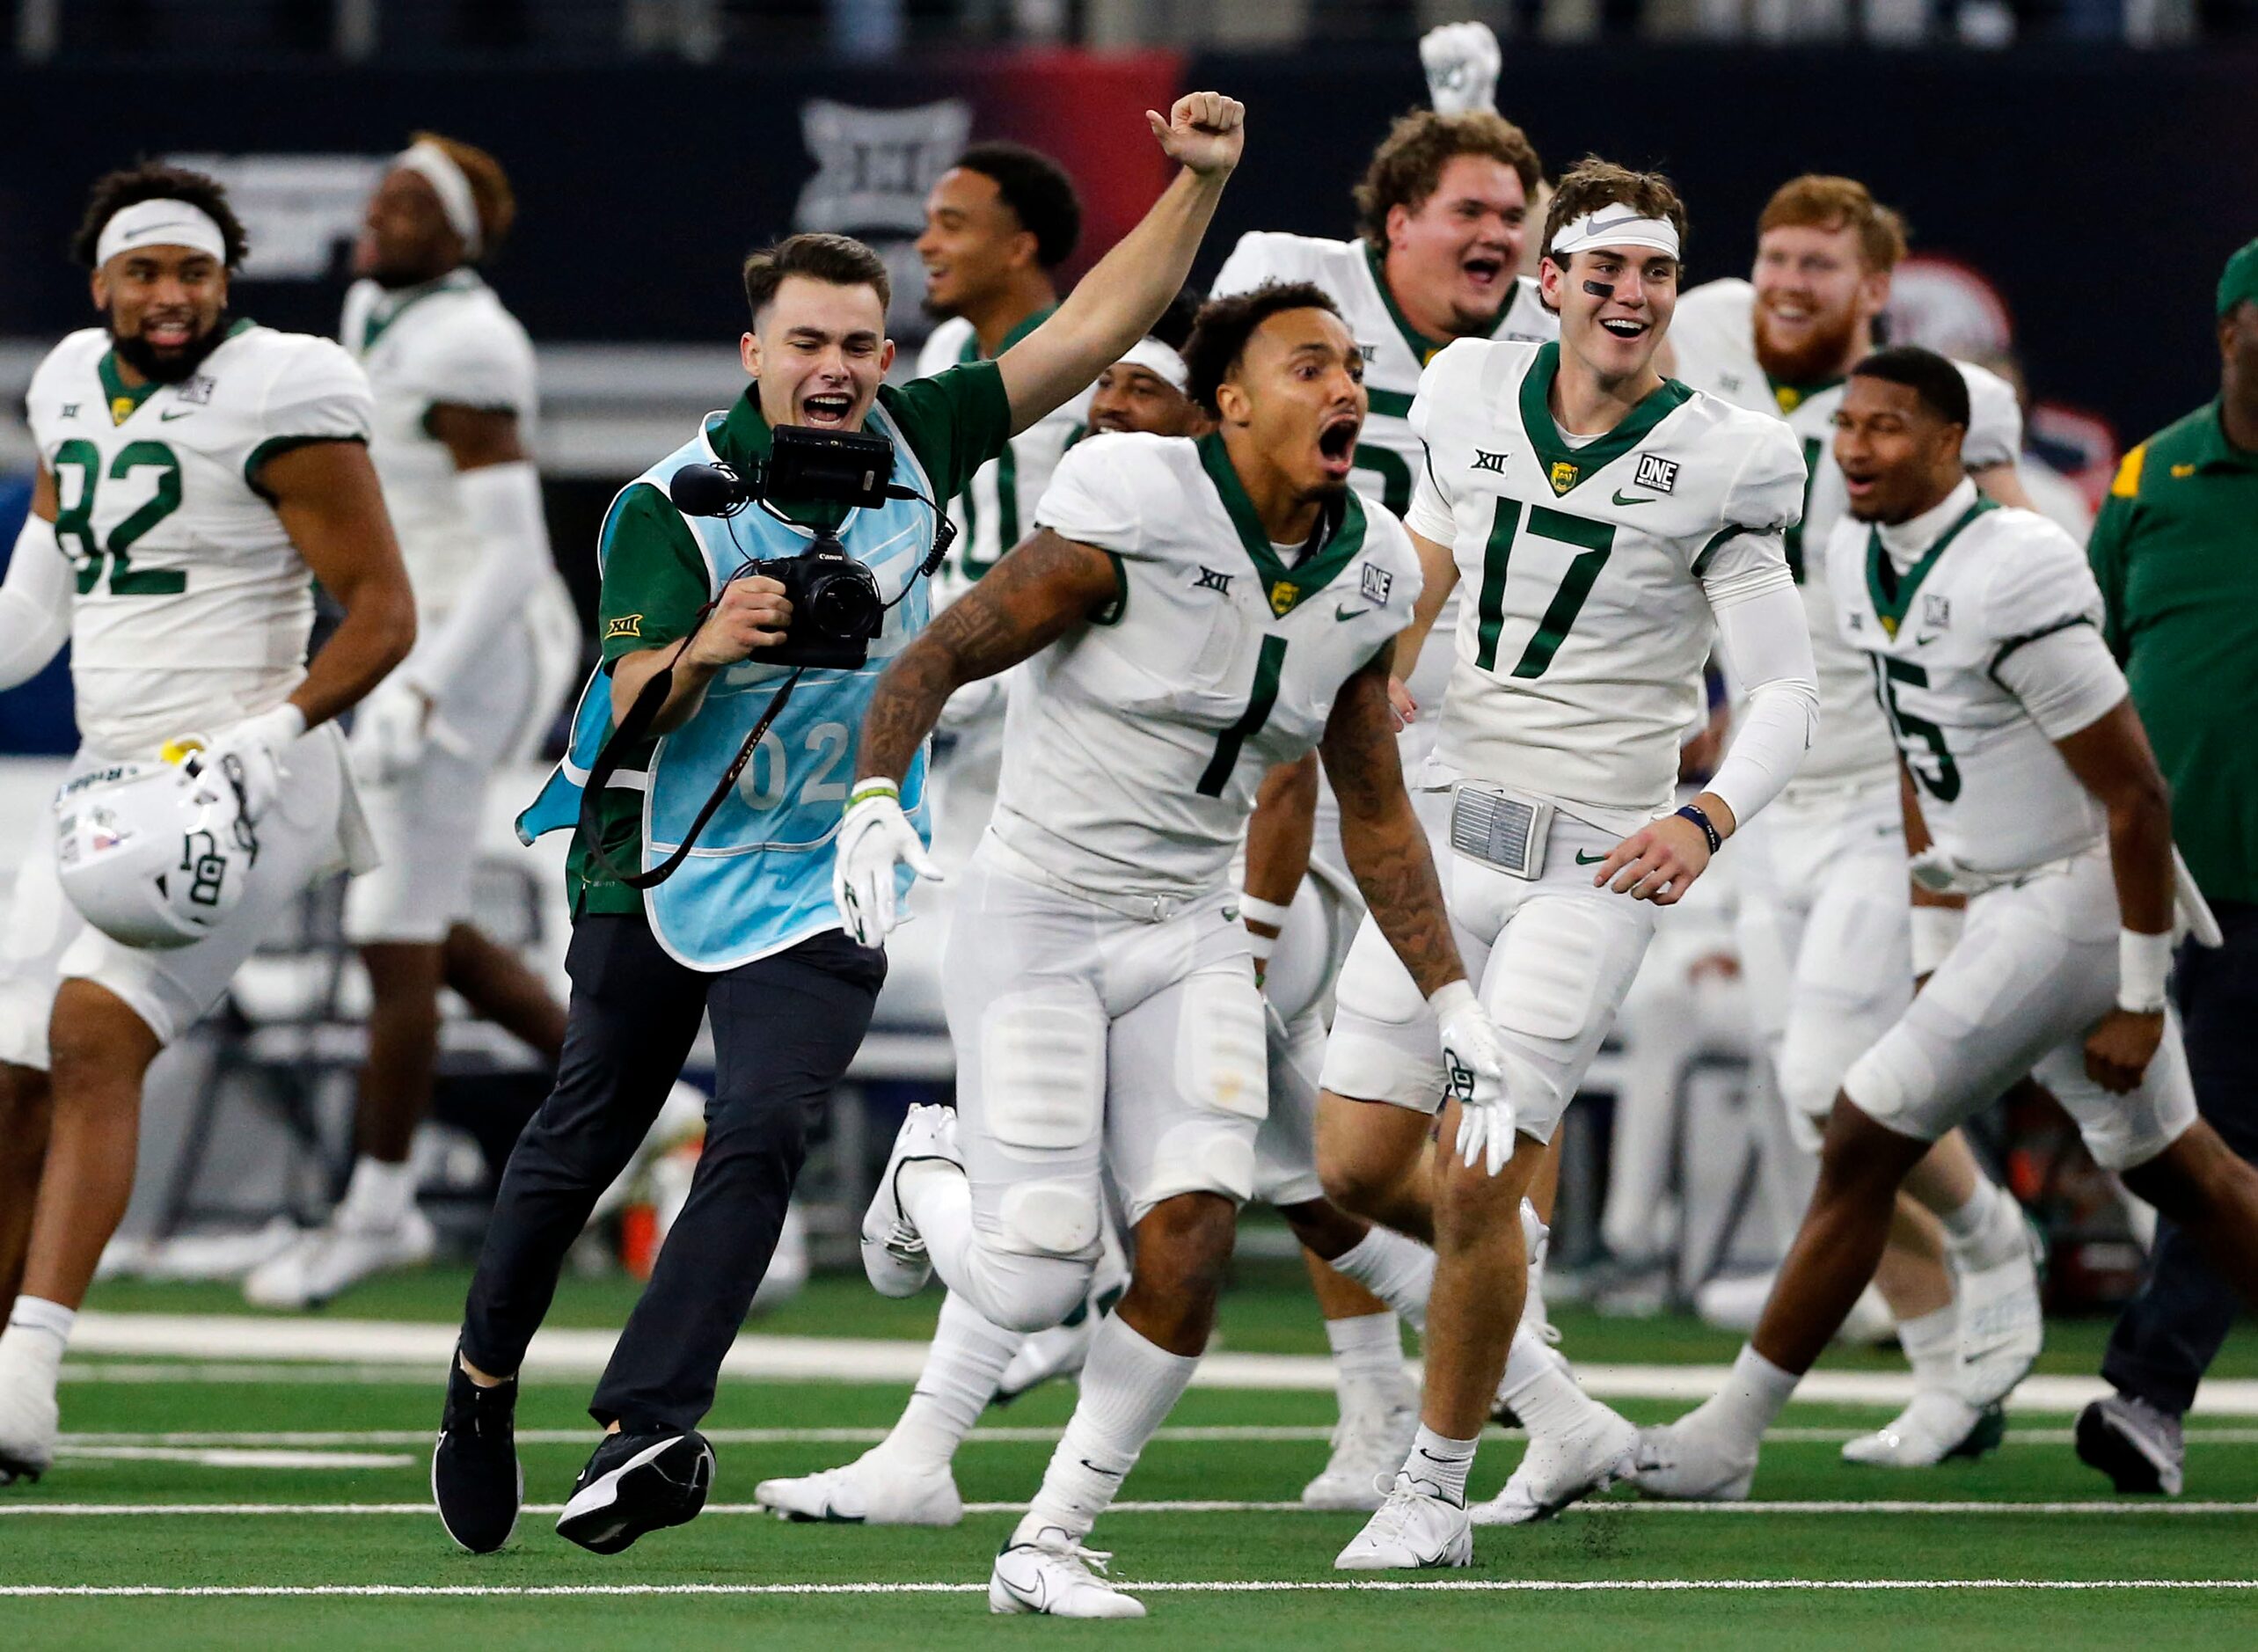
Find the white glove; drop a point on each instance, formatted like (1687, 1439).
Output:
(252, 752)
(874, 839)
(390, 732)
(1462, 61)
(1474, 1057)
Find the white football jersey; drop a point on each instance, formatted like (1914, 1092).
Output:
(448, 341)
(1932, 631)
(193, 607)
(996, 510)
(1714, 335)
(1388, 450)
(1134, 745)
(1584, 625)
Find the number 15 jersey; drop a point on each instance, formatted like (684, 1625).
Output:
(1585, 571)
(193, 607)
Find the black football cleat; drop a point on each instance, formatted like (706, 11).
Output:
(636, 1483)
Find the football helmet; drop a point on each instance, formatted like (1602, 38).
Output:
(154, 854)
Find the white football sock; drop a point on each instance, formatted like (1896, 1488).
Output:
(1398, 1271)
(1128, 1387)
(1985, 1231)
(1438, 1465)
(38, 1332)
(379, 1195)
(963, 1368)
(1755, 1393)
(939, 1200)
(1367, 1348)
(1932, 1345)
(1537, 1386)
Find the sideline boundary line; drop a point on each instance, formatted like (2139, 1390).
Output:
(1470, 1585)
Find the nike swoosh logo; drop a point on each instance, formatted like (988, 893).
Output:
(1923, 642)
(1600, 227)
(1024, 1597)
(1347, 611)
(1583, 859)
(1110, 1473)
(1622, 498)
(167, 418)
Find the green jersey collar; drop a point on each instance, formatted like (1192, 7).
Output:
(1566, 466)
(1423, 349)
(1788, 396)
(1339, 533)
(971, 349)
(1891, 592)
(124, 401)
(393, 305)
(2213, 448)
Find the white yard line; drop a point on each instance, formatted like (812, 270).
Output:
(232, 1457)
(1877, 1506)
(1468, 1585)
(366, 1343)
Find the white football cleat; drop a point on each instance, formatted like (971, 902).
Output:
(1692, 1464)
(1057, 1577)
(1936, 1426)
(330, 1259)
(873, 1490)
(1560, 1467)
(1414, 1531)
(893, 1251)
(29, 1423)
(1378, 1422)
(2001, 1326)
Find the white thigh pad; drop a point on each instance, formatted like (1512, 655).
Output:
(1043, 1062)
(1223, 1051)
(1545, 974)
(1049, 1218)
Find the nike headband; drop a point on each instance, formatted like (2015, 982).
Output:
(1159, 360)
(160, 223)
(1613, 225)
(451, 183)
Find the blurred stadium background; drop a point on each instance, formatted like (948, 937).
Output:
(2074, 173)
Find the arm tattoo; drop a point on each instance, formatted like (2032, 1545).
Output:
(1028, 601)
(1380, 835)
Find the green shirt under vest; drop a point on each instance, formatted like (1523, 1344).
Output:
(654, 575)
(2175, 550)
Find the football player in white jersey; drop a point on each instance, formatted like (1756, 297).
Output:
(1826, 933)
(1609, 524)
(452, 372)
(196, 473)
(998, 225)
(1195, 612)
(2037, 813)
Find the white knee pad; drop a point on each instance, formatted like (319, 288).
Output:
(1057, 1217)
(1026, 1294)
(1042, 1077)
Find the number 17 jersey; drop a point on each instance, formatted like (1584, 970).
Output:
(1585, 570)
(192, 606)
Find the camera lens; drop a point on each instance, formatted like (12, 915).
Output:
(843, 604)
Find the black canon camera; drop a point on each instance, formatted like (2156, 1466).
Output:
(836, 608)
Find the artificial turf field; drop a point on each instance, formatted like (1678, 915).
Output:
(171, 1484)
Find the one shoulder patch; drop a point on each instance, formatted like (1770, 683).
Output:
(2127, 484)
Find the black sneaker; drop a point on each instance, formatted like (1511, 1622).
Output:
(636, 1483)
(476, 1479)
(2138, 1446)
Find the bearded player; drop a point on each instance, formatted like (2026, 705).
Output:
(453, 376)
(2035, 811)
(1610, 525)
(1832, 947)
(197, 473)
(1197, 612)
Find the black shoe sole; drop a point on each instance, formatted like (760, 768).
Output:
(1989, 1434)
(2100, 1446)
(662, 1486)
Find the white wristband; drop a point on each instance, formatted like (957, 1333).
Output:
(1936, 930)
(1255, 910)
(873, 786)
(1448, 1000)
(1261, 945)
(2143, 961)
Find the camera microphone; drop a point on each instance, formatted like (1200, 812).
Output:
(707, 490)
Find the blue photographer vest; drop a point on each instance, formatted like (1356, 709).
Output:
(759, 878)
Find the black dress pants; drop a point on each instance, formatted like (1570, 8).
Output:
(784, 1028)
(2172, 1331)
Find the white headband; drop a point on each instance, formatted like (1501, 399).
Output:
(449, 181)
(162, 223)
(1159, 360)
(1613, 225)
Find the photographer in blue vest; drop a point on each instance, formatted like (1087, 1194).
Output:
(755, 583)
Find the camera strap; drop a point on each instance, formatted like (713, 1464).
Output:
(632, 728)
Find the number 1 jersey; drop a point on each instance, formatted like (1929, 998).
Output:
(193, 608)
(1584, 569)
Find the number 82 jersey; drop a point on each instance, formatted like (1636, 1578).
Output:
(192, 606)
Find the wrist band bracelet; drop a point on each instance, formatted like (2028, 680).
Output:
(1694, 813)
(874, 786)
(2144, 962)
(1253, 910)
